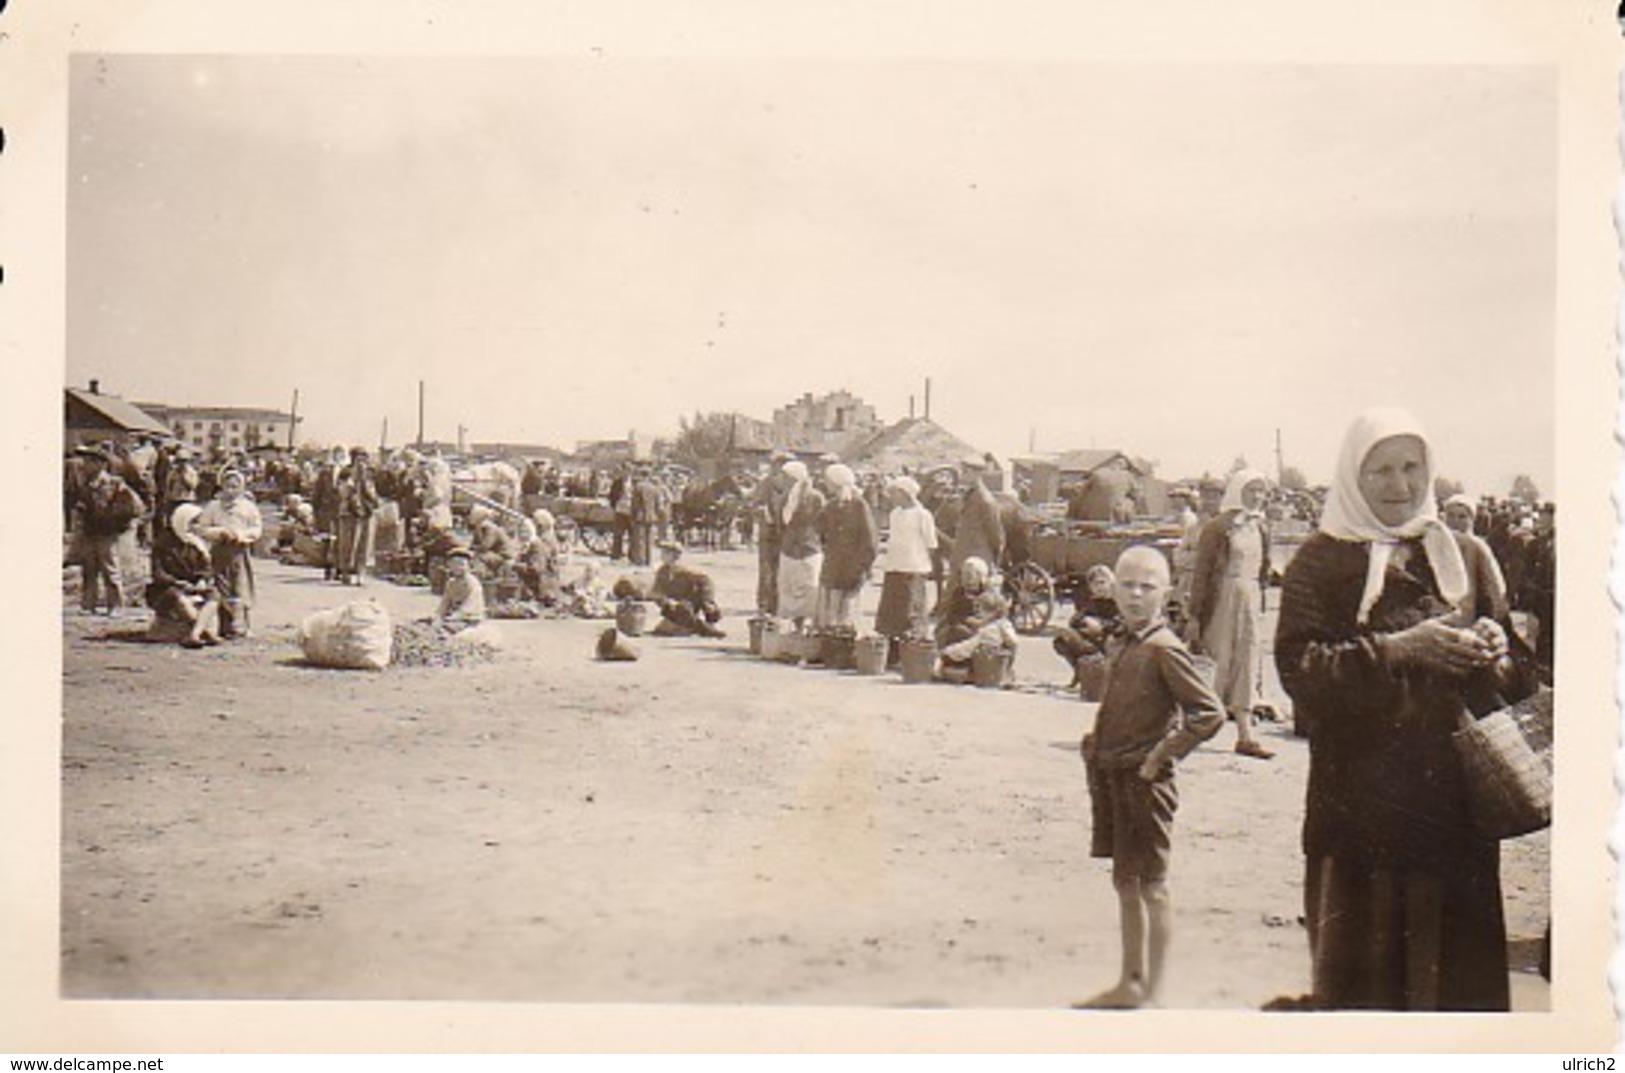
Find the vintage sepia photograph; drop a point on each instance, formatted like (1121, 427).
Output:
(891, 533)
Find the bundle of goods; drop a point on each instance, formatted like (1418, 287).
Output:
(427, 644)
(353, 637)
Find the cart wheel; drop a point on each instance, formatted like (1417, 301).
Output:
(1032, 597)
(598, 541)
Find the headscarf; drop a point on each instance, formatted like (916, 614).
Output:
(907, 485)
(1232, 492)
(977, 566)
(1460, 500)
(180, 523)
(543, 519)
(227, 474)
(1349, 517)
(796, 470)
(841, 478)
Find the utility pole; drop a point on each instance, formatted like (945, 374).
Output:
(462, 430)
(1280, 466)
(383, 435)
(293, 418)
(420, 415)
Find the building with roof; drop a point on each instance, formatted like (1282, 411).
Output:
(229, 428)
(915, 444)
(91, 417)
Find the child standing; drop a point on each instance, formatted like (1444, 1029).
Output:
(1156, 709)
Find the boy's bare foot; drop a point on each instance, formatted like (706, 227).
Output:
(1125, 996)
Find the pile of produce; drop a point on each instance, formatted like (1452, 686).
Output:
(424, 644)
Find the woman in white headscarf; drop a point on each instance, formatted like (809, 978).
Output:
(801, 551)
(231, 523)
(1486, 585)
(911, 538)
(1402, 895)
(1227, 599)
(846, 528)
(182, 592)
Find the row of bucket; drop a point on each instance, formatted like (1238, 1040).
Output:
(867, 655)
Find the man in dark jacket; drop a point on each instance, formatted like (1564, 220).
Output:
(687, 598)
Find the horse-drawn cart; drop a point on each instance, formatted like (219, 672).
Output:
(1049, 562)
(588, 522)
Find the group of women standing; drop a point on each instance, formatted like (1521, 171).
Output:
(828, 543)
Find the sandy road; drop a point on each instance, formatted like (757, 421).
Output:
(696, 827)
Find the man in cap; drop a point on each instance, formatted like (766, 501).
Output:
(107, 509)
(358, 503)
(328, 502)
(687, 599)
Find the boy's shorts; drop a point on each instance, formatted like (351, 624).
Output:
(1133, 820)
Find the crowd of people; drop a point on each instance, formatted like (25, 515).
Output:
(1399, 617)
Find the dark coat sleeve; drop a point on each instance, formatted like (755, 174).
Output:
(1211, 551)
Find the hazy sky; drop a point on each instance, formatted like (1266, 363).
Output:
(1175, 260)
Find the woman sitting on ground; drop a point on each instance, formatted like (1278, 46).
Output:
(182, 592)
(1082, 642)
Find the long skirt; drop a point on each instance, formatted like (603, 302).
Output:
(903, 607)
(1407, 939)
(1231, 638)
(798, 586)
(837, 607)
(355, 545)
(767, 574)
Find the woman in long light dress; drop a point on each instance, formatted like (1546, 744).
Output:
(801, 551)
(1227, 600)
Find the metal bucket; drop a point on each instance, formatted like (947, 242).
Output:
(919, 660)
(989, 667)
(631, 617)
(869, 654)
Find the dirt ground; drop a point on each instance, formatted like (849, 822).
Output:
(695, 827)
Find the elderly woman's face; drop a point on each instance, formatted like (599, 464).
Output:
(1394, 479)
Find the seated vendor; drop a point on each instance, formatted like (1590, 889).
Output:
(958, 611)
(182, 593)
(493, 547)
(590, 594)
(686, 597)
(1096, 621)
(538, 565)
(988, 626)
(462, 604)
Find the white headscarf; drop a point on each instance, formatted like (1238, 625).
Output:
(841, 477)
(180, 523)
(1232, 492)
(1349, 517)
(796, 470)
(907, 485)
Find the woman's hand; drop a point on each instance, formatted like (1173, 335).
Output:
(1435, 645)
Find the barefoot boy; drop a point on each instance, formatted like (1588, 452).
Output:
(1156, 709)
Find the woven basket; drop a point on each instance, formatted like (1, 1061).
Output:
(1506, 763)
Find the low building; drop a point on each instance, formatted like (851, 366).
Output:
(92, 417)
(228, 428)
